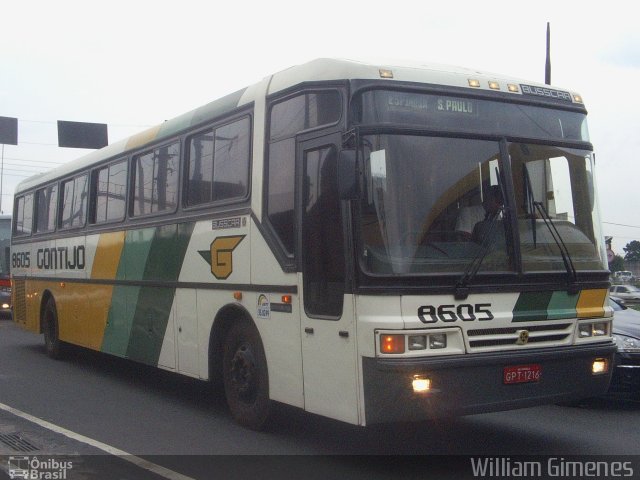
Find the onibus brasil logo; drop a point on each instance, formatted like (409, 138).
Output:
(34, 468)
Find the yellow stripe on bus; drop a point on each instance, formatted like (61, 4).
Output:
(591, 303)
(97, 298)
(105, 263)
(143, 138)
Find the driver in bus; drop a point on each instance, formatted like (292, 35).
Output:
(492, 205)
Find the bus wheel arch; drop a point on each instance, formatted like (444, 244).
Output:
(237, 361)
(45, 297)
(49, 326)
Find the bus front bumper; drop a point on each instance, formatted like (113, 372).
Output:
(476, 383)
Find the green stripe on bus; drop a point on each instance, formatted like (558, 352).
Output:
(153, 307)
(118, 330)
(531, 306)
(563, 305)
(125, 298)
(134, 257)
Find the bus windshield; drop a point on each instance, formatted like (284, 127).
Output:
(423, 199)
(434, 204)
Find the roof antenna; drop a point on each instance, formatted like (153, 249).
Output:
(547, 67)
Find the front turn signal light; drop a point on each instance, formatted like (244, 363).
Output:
(392, 344)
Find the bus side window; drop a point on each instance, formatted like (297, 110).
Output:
(109, 186)
(218, 164)
(24, 215)
(46, 199)
(74, 202)
(155, 185)
(289, 117)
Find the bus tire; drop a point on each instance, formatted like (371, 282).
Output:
(53, 346)
(245, 376)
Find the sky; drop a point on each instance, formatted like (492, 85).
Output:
(133, 64)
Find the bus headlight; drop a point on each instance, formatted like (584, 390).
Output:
(441, 341)
(434, 341)
(599, 328)
(417, 342)
(437, 341)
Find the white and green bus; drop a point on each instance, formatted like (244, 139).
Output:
(371, 243)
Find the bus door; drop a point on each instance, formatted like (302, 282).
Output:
(327, 317)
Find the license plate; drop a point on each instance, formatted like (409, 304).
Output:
(522, 374)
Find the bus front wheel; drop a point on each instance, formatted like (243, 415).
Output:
(246, 380)
(52, 343)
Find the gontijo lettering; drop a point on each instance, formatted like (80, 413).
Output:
(61, 257)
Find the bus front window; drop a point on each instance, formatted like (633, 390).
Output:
(556, 183)
(426, 205)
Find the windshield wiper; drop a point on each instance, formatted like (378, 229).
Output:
(462, 285)
(529, 203)
(531, 206)
(564, 251)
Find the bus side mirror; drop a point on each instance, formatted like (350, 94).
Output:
(347, 175)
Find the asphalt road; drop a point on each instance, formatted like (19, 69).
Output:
(184, 426)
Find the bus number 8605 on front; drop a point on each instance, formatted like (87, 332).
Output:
(452, 313)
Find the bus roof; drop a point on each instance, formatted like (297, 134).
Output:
(318, 70)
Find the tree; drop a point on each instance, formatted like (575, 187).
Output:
(632, 251)
(617, 264)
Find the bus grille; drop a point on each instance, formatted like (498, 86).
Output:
(20, 305)
(542, 335)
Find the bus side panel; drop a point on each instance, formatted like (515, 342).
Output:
(133, 258)
(216, 263)
(83, 308)
(120, 319)
(139, 315)
(279, 327)
(70, 304)
(28, 293)
(150, 319)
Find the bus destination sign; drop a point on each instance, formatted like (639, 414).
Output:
(457, 106)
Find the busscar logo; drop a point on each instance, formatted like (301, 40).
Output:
(220, 255)
(546, 92)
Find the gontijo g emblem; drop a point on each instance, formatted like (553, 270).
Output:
(220, 255)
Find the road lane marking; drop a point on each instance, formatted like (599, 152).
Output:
(139, 462)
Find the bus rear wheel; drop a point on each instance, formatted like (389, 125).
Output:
(246, 380)
(53, 345)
